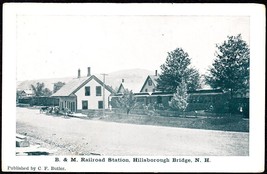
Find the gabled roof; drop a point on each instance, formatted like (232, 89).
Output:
(131, 86)
(126, 86)
(76, 84)
(28, 91)
(153, 78)
(121, 88)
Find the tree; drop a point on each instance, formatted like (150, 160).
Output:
(230, 69)
(47, 92)
(176, 68)
(127, 101)
(57, 86)
(18, 95)
(179, 100)
(40, 90)
(193, 81)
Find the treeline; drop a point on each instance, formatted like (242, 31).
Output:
(39, 101)
(229, 72)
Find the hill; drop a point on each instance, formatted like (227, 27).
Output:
(133, 77)
(49, 83)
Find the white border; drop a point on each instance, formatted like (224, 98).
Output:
(253, 163)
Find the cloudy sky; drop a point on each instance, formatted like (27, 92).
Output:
(56, 46)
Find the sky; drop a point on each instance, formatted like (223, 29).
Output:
(50, 46)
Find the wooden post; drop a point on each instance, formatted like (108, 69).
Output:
(104, 75)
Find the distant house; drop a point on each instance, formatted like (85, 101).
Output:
(128, 84)
(122, 88)
(150, 83)
(26, 93)
(148, 93)
(83, 93)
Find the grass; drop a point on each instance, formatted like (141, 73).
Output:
(236, 124)
(225, 123)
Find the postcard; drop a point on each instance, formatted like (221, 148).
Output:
(127, 87)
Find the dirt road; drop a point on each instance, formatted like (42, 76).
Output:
(75, 136)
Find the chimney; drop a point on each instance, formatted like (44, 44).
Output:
(156, 72)
(79, 73)
(88, 71)
(122, 80)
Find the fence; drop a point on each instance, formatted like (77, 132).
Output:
(163, 113)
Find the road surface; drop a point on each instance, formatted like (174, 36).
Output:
(77, 136)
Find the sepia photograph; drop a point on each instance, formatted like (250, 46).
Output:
(117, 87)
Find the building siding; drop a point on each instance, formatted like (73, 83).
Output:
(67, 102)
(92, 99)
(148, 87)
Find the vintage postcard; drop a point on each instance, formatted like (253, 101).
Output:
(133, 87)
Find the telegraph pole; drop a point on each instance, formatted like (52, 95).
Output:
(104, 78)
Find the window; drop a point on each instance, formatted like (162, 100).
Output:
(159, 99)
(100, 104)
(198, 99)
(145, 90)
(154, 89)
(194, 99)
(139, 99)
(98, 91)
(72, 106)
(87, 91)
(149, 82)
(84, 104)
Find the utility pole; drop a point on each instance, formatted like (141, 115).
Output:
(104, 78)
